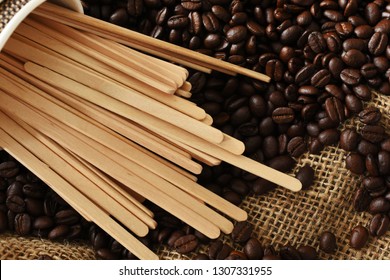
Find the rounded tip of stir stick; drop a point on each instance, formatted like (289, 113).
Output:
(295, 185)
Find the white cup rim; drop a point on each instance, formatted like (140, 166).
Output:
(27, 9)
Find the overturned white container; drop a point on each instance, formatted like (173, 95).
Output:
(13, 12)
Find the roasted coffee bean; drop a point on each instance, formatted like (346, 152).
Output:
(384, 162)
(304, 75)
(274, 69)
(34, 206)
(355, 163)
(335, 109)
(354, 58)
(178, 22)
(375, 186)
(240, 116)
(242, 232)
(359, 237)
(191, 5)
(186, 244)
(369, 70)
(372, 165)
(361, 199)
(67, 217)
(379, 225)
(383, 26)
(16, 204)
(282, 163)
(289, 253)
(173, 237)
(296, 146)
(34, 190)
(379, 205)
(370, 115)
(372, 13)
(329, 136)
(353, 104)
(236, 34)
(364, 31)
(119, 17)
(3, 222)
(201, 256)
(321, 78)
(253, 249)
(362, 91)
(307, 252)
(221, 13)
(8, 169)
(218, 250)
(308, 90)
(350, 76)
(283, 115)
(291, 34)
(236, 255)
(328, 242)
(270, 146)
(43, 222)
(344, 29)
(365, 147)
(333, 42)
(354, 44)
(335, 67)
(270, 253)
(134, 7)
(373, 133)
(22, 224)
(60, 232)
(378, 43)
(317, 42)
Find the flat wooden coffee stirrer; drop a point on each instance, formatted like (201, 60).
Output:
(172, 132)
(89, 189)
(74, 197)
(79, 58)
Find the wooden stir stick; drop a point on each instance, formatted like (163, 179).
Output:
(109, 88)
(74, 197)
(47, 9)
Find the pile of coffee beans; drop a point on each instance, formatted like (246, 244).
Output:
(29, 207)
(324, 58)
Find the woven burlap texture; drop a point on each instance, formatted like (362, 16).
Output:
(280, 217)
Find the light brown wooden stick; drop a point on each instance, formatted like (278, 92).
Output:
(109, 88)
(78, 103)
(62, 135)
(60, 50)
(112, 190)
(93, 48)
(148, 41)
(56, 112)
(155, 125)
(74, 197)
(71, 174)
(73, 119)
(124, 41)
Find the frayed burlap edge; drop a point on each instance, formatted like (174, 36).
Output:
(29, 248)
(280, 217)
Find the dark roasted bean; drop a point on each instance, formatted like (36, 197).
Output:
(186, 244)
(359, 237)
(379, 225)
(242, 232)
(328, 242)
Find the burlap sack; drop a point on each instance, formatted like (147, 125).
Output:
(280, 217)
